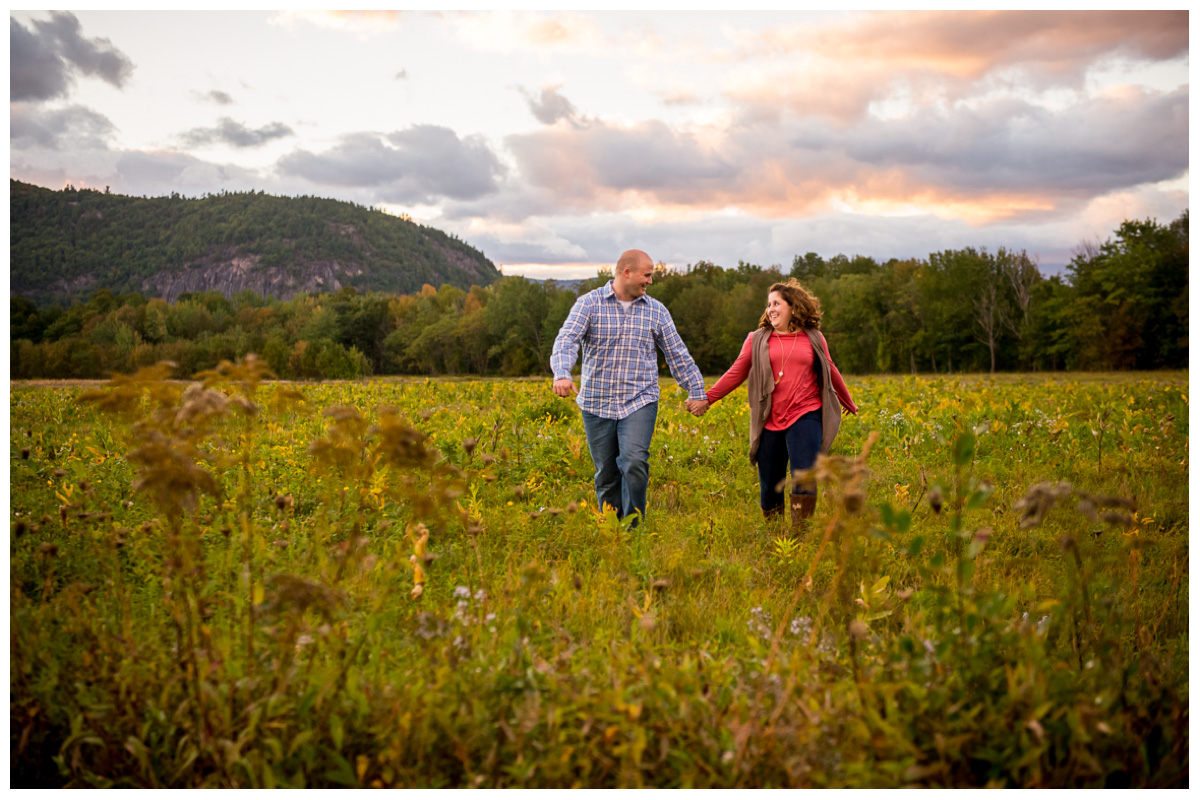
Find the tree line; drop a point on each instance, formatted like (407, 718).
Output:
(1120, 305)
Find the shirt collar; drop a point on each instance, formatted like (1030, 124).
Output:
(607, 292)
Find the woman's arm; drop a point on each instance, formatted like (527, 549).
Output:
(839, 385)
(734, 376)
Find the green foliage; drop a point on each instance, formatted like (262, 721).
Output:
(70, 243)
(961, 311)
(232, 583)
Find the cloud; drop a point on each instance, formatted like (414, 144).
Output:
(361, 22)
(420, 164)
(518, 32)
(33, 126)
(550, 106)
(44, 61)
(991, 160)
(236, 134)
(840, 68)
(649, 156)
(402, 75)
(218, 97)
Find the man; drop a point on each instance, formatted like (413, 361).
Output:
(619, 326)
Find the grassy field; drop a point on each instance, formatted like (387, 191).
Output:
(406, 583)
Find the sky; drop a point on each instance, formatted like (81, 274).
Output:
(552, 141)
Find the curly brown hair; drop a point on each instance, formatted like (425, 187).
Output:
(806, 308)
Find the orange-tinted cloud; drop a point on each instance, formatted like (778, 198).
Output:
(968, 44)
(1001, 159)
(838, 69)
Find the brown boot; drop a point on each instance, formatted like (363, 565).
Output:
(803, 507)
(772, 514)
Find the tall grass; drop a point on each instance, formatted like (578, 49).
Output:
(236, 583)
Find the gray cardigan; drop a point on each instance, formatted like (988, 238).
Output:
(760, 385)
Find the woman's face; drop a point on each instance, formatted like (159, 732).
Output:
(778, 311)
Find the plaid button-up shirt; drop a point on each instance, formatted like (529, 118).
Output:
(620, 367)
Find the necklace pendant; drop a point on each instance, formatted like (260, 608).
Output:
(781, 373)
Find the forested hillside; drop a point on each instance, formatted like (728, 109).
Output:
(1120, 305)
(66, 245)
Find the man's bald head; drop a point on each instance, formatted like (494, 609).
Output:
(633, 260)
(634, 272)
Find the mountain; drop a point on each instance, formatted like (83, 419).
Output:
(67, 244)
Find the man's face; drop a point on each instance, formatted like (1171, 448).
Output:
(639, 278)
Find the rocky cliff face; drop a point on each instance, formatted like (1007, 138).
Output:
(232, 274)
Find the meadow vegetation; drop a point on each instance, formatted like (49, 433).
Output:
(233, 582)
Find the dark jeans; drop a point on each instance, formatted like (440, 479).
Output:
(799, 444)
(621, 452)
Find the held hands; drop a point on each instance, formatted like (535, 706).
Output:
(565, 387)
(697, 407)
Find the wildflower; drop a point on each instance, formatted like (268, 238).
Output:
(462, 591)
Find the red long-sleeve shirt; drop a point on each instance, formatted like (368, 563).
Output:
(796, 392)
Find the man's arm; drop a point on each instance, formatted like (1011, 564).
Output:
(679, 360)
(566, 348)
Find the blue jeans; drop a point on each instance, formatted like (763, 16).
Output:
(621, 452)
(799, 444)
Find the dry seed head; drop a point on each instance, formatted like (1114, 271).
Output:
(48, 549)
(487, 458)
(858, 629)
(468, 445)
(576, 581)
(200, 402)
(25, 453)
(246, 405)
(572, 507)
(19, 529)
(519, 490)
(853, 501)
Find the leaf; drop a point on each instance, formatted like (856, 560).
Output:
(964, 449)
(977, 499)
(336, 730)
(344, 774)
(299, 740)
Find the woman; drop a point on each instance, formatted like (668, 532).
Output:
(796, 395)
